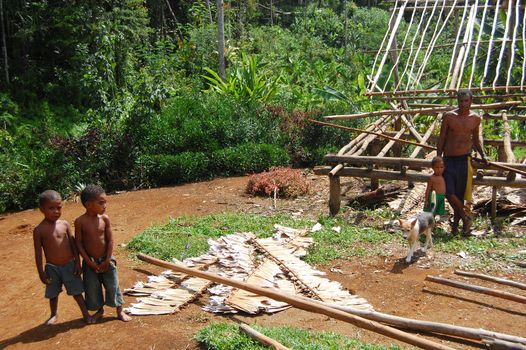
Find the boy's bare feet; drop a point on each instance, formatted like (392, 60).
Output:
(97, 315)
(121, 315)
(51, 320)
(89, 319)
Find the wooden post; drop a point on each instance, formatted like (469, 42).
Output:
(493, 204)
(334, 194)
(302, 304)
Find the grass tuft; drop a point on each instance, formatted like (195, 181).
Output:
(227, 336)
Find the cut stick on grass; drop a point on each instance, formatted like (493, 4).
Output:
(302, 304)
(491, 278)
(427, 326)
(263, 339)
(478, 289)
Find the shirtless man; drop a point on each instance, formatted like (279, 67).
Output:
(94, 240)
(53, 236)
(459, 134)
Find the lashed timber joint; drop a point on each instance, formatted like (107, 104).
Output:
(304, 288)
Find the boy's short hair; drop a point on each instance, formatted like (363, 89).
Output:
(436, 160)
(48, 195)
(90, 192)
(463, 93)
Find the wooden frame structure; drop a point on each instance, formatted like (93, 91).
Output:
(487, 55)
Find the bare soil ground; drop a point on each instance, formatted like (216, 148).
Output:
(386, 282)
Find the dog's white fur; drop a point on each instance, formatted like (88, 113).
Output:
(412, 228)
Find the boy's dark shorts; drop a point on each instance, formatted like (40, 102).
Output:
(456, 175)
(94, 283)
(64, 274)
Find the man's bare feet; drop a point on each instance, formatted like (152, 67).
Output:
(51, 320)
(466, 226)
(121, 315)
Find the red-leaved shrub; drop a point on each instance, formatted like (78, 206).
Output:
(289, 183)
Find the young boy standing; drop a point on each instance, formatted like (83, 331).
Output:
(53, 236)
(94, 240)
(436, 183)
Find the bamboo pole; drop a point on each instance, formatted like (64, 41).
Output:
(434, 40)
(426, 137)
(454, 53)
(444, 91)
(478, 289)
(390, 144)
(491, 278)
(423, 34)
(263, 339)
(396, 50)
(490, 46)
(415, 176)
(415, 163)
(421, 9)
(306, 305)
(422, 111)
(471, 28)
(389, 43)
(514, 36)
(452, 97)
(508, 151)
(410, 53)
(477, 45)
(503, 47)
(488, 54)
(383, 41)
(415, 132)
(456, 76)
(426, 326)
(492, 164)
(358, 138)
(524, 46)
(371, 132)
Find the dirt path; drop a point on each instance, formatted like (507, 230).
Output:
(387, 284)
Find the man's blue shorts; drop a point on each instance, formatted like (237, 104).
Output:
(456, 175)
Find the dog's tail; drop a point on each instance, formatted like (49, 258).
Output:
(433, 202)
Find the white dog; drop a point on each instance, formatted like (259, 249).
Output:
(413, 227)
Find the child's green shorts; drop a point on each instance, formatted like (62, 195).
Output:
(441, 204)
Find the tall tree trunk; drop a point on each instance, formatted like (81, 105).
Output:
(346, 29)
(271, 12)
(209, 11)
(4, 43)
(221, 38)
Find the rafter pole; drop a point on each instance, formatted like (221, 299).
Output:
(503, 47)
(393, 35)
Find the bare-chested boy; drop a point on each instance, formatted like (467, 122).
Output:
(458, 135)
(94, 240)
(53, 236)
(436, 183)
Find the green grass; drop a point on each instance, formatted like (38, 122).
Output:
(227, 336)
(365, 239)
(168, 241)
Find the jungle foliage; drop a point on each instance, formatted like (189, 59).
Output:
(127, 93)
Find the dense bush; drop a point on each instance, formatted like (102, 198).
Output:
(167, 169)
(208, 122)
(280, 181)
